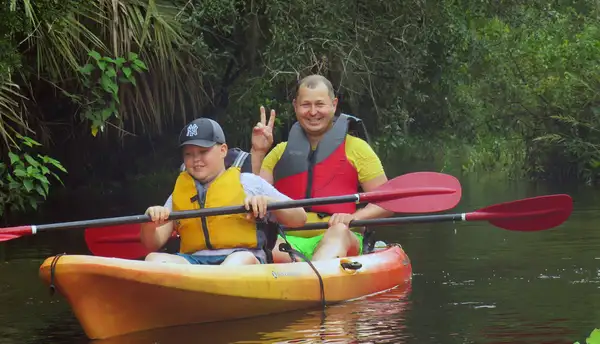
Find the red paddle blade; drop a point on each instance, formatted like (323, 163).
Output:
(447, 196)
(527, 215)
(7, 237)
(10, 233)
(122, 241)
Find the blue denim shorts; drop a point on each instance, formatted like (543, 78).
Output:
(210, 259)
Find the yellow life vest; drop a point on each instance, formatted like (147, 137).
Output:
(215, 232)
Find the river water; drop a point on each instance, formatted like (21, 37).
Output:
(473, 282)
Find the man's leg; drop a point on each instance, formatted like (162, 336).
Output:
(337, 242)
(278, 256)
(305, 246)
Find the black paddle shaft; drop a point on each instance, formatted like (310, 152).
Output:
(238, 209)
(385, 222)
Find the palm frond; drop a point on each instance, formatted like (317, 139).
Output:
(59, 44)
(10, 111)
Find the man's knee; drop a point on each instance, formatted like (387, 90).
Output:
(280, 256)
(338, 233)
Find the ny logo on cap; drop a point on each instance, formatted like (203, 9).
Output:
(192, 130)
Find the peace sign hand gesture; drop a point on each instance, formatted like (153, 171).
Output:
(262, 133)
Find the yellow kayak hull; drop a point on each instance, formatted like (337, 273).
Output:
(113, 296)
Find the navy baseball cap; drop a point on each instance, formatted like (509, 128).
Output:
(202, 132)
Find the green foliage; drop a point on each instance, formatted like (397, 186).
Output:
(506, 86)
(594, 337)
(24, 182)
(102, 77)
(530, 73)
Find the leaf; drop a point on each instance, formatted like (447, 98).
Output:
(106, 113)
(94, 54)
(594, 337)
(87, 69)
(56, 164)
(41, 178)
(45, 186)
(31, 160)
(13, 158)
(33, 203)
(108, 59)
(108, 84)
(127, 72)
(140, 64)
(40, 191)
(94, 131)
(111, 72)
(28, 185)
(20, 173)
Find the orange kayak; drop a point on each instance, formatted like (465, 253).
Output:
(113, 296)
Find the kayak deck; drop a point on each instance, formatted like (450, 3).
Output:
(113, 296)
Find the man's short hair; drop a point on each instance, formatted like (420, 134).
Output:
(312, 81)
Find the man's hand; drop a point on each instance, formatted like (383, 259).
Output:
(341, 218)
(262, 133)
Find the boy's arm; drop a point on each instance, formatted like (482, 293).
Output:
(155, 235)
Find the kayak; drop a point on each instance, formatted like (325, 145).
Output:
(113, 296)
(346, 322)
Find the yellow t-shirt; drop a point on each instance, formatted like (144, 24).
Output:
(358, 151)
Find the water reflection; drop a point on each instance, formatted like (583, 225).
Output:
(376, 319)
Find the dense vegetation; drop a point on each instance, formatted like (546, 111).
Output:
(104, 86)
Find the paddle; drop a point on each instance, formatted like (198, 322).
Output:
(414, 192)
(525, 215)
(123, 241)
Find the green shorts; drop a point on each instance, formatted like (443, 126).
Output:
(307, 246)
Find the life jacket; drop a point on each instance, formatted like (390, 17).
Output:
(215, 232)
(326, 171)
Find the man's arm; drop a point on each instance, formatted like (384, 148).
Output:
(257, 158)
(291, 217)
(268, 162)
(372, 211)
(371, 175)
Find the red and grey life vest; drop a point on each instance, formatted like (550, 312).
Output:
(326, 171)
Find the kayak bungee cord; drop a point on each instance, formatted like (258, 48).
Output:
(53, 272)
(286, 247)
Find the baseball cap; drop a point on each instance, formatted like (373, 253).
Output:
(202, 132)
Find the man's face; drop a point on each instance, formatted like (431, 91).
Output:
(315, 109)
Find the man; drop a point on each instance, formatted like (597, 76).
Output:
(236, 239)
(320, 159)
